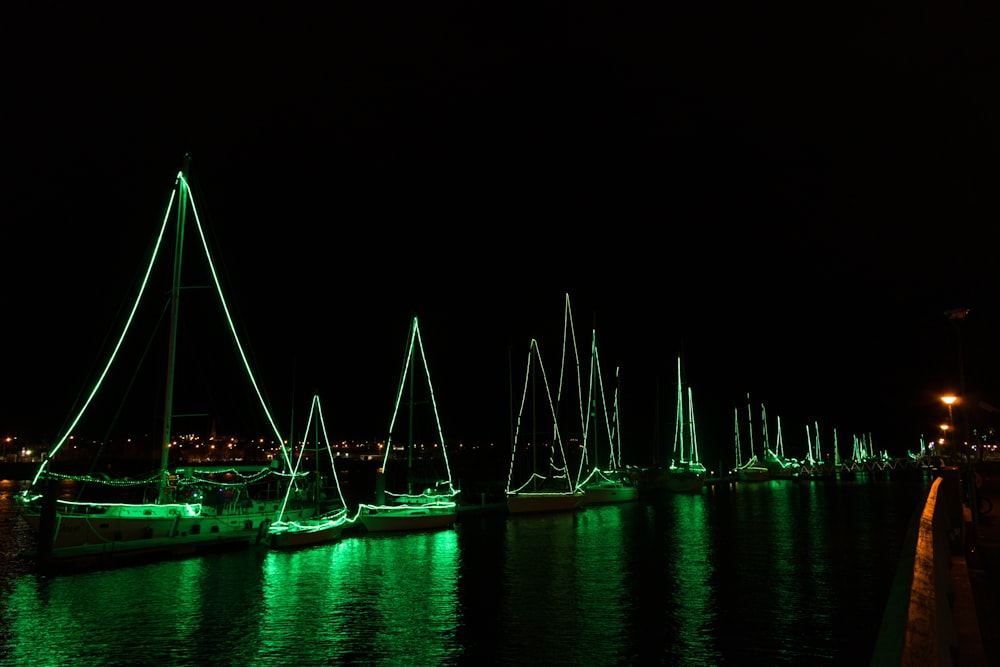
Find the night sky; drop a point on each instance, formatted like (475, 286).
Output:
(791, 196)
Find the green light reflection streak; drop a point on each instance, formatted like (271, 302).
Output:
(690, 571)
(374, 598)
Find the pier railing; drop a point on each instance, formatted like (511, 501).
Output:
(919, 623)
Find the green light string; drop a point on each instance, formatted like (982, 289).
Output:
(557, 471)
(179, 182)
(763, 419)
(614, 462)
(415, 343)
(315, 412)
(400, 389)
(678, 453)
(616, 428)
(693, 462)
(329, 451)
(819, 450)
(809, 447)
(779, 443)
(586, 422)
(317, 525)
(517, 426)
(569, 337)
(437, 419)
(739, 454)
(114, 353)
(232, 328)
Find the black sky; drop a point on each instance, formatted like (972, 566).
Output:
(793, 196)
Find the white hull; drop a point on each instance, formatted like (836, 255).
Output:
(683, 481)
(305, 534)
(607, 495)
(123, 532)
(753, 474)
(408, 517)
(542, 501)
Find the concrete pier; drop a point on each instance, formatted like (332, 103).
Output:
(943, 600)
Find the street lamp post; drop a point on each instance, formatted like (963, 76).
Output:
(970, 473)
(950, 401)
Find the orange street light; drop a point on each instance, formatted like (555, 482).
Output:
(950, 401)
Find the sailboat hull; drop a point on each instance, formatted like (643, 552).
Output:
(609, 494)
(673, 480)
(311, 532)
(683, 481)
(533, 502)
(407, 518)
(752, 474)
(112, 533)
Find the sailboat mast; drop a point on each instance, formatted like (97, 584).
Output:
(736, 436)
(534, 418)
(592, 399)
(779, 446)
(319, 477)
(409, 438)
(175, 293)
(678, 454)
(763, 419)
(616, 440)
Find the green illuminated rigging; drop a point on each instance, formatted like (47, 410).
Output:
(415, 343)
(557, 469)
(595, 414)
(181, 196)
(685, 455)
(317, 422)
(114, 353)
(569, 336)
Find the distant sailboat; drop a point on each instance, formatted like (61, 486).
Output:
(538, 479)
(777, 465)
(425, 498)
(686, 473)
(607, 483)
(324, 495)
(749, 469)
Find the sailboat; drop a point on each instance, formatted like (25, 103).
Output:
(330, 511)
(749, 469)
(815, 467)
(414, 502)
(686, 474)
(538, 479)
(168, 511)
(777, 465)
(609, 483)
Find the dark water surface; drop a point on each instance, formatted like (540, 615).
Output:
(772, 573)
